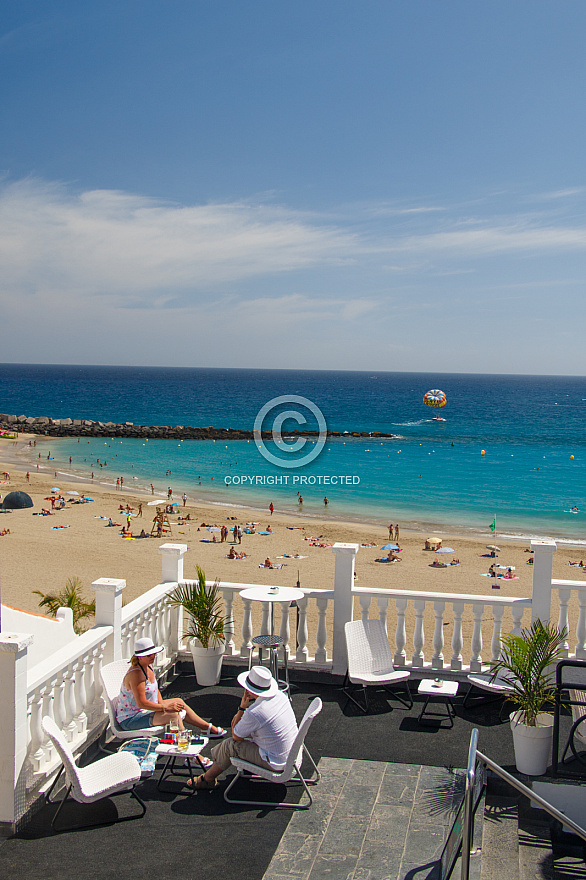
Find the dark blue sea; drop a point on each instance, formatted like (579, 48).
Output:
(531, 428)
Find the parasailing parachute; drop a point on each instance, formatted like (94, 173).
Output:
(435, 397)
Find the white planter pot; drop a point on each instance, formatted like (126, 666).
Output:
(207, 662)
(532, 744)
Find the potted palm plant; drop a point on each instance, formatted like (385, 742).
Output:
(206, 624)
(527, 662)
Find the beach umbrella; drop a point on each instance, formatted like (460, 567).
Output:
(445, 550)
(390, 547)
(152, 503)
(493, 547)
(213, 529)
(17, 501)
(72, 492)
(435, 397)
(55, 489)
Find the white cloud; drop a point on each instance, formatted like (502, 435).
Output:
(107, 241)
(485, 240)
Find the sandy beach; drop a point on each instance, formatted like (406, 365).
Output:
(39, 554)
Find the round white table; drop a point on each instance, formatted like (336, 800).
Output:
(272, 595)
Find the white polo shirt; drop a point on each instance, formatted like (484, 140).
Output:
(272, 726)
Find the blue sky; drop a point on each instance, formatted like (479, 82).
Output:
(355, 185)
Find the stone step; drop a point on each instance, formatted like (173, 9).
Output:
(517, 840)
(500, 839)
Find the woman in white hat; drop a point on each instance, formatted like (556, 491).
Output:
(140, 703)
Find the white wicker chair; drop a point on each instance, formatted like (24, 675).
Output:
(370, 662)
(577, 736)
(112, 775)
(112, 675)
(498, 687)
(291, 771)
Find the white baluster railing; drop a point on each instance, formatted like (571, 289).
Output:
(451, 608)
(568, 613)
(67, 689)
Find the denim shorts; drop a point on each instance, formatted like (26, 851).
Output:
(142, 719)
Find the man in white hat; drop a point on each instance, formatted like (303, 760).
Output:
(262, 732)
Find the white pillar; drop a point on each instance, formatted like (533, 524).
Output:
(172, 562)
(345, 555)
(109, 613)
(542, 571)
(13, 726)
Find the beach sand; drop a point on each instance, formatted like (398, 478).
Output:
(37, 556)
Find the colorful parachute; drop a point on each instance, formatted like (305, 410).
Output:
(435, 397)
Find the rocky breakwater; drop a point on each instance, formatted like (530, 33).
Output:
(85, 428)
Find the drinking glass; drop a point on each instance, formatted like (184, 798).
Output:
(183, 740)
(174, 729)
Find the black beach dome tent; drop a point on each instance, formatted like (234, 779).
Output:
(16, 501)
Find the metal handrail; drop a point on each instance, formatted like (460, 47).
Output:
(468, 806)
(545, 805)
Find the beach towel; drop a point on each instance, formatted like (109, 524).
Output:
(143, 749)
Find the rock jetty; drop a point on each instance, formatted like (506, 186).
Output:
(87, 428)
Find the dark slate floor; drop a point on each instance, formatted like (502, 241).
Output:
(203, 838)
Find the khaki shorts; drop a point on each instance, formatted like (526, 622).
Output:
(244, 749)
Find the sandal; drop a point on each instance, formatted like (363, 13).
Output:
(201, 784)
(204, 762)
(221, 732)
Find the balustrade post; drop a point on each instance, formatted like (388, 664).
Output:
(581, 628)
(322, 633)
(400, 658)
(437, 660)
(383, 605)
(302, 633)
(457, 638)
(345, 556)
(476, 660)
(14, 731)
(230, 647)
(418, 634)
(246, 646)
(563, 625)
(517, 614)
(172, 562)
(495, 645)
(542, 572)
(109, 613)
(364, 606)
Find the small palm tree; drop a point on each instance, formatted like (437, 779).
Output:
(527, 662)
(203, 606)
(69, 597)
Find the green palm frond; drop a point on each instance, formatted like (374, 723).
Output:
(528, 662)
(69, 597)
(203, 606)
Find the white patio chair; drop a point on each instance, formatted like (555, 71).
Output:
(498, 687)
(112, 675)
(577, 736)
(370, 663)
(112, 775)
(291, 770)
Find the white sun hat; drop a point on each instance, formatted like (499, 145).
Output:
(144, 647)
(259, 682)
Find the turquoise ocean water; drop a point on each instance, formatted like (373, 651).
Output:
(532, 474)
